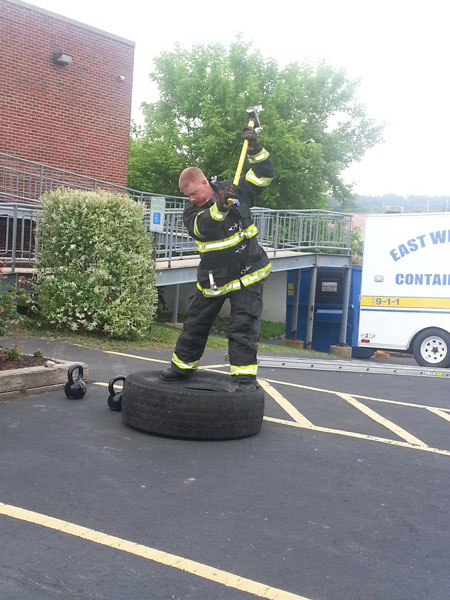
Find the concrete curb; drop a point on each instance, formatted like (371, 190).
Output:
(33, 380)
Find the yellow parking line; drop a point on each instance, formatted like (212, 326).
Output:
(398, 403)
(405, 435)
(157, 359)
(301, 421)
(285, 404)
(334, 392)
(439, 412)
(304, 387)
(138, 357)
(360, 436)
(171, 560)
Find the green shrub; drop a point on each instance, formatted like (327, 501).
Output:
(272, 329)
(10, 298)
(94, 266)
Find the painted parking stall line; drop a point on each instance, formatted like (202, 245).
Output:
(402, 433)
(299, 420)
(410, 440)
(439, 412)
(334, 392)
(156, 360)
(285, 404)
(359, 436)
(218, 576)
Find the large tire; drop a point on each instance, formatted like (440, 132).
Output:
(431, 348)
(205, 406)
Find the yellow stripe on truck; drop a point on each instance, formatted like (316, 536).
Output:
(404, 302)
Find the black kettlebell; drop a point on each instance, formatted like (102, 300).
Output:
(75, 390)
(115, 398)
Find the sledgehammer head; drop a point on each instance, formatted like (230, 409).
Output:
(252, 115)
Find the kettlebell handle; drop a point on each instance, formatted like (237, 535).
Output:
(71, 370)
(112, 382)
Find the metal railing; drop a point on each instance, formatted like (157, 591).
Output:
(25, 181)
(301, 230)
(278, 231)
(22, 183)
(18, 229)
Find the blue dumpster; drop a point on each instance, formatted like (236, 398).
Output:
(327, 308)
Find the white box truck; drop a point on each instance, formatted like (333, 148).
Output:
(405, 286)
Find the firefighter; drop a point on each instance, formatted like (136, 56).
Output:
(232, 265)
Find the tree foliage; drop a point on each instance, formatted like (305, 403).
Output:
(390, 202)
(357, 246)
(313, 124)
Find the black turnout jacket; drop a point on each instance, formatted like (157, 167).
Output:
(230, 255)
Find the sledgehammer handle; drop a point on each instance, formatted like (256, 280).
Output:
(242, 157)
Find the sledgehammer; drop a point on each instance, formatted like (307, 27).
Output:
(252, 121)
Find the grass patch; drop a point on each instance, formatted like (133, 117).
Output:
(162, 337)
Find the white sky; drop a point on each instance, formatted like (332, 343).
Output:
(398, 48)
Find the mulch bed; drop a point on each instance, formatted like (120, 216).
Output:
(25, 360)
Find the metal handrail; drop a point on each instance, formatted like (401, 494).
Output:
(22, 182)
(278, 231)
(25, 181)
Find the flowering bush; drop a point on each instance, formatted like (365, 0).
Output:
(12, 354)
(9, 300)
(94, 266)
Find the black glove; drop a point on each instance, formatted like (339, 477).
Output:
(249, 133)
(232, 191)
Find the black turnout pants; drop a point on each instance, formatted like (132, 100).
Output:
(243, 331)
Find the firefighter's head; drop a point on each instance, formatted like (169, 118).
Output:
(195, 186)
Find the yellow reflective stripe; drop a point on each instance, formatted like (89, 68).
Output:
(256, 275)
(236, 283)
(196, 230)
(250, 231)
(259, 181)
(405, 302)
(244, 370)
(259, 157)
(220, 244)
(216, 214)
(222, 290)
(192, 366)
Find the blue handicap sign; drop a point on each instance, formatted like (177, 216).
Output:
(156, 218)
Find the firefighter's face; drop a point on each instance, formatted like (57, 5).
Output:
(198, 192)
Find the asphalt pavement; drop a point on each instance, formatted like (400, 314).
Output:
(343, 495)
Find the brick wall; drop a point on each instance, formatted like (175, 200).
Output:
(75, 117)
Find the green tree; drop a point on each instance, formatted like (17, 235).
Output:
(357, 246)
(313, 124)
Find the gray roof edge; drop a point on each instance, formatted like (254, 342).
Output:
(71, 21)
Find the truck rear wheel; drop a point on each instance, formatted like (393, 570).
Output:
(431, 348)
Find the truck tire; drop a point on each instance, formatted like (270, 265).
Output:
(204, 406)
(431, 348)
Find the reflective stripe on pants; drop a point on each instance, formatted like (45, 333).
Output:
(243, 330)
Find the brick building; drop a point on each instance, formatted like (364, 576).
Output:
(70, 111)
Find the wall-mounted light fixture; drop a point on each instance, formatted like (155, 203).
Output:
(62, 58)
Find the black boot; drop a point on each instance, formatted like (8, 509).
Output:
(170, 375)
(247, 385)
